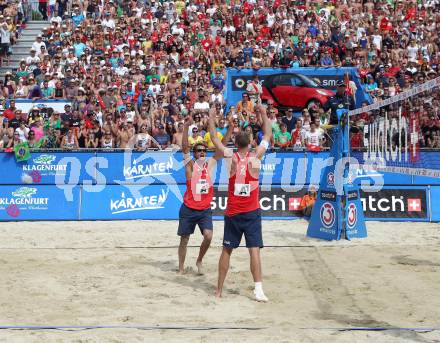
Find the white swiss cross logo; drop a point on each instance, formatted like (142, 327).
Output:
(414, 205)
(294, 204)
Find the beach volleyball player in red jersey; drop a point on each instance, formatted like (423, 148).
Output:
(243, 214)
(196, 207)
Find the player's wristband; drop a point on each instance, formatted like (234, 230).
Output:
(264, 144)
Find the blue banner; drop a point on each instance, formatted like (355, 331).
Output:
(149, 167)
(294, 169)
(37, 203)
(114, 202)
(45, 168)
(132, 202)
(434, 196)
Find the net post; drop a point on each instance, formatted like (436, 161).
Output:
(338, 211)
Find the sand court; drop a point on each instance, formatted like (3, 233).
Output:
(119, 280)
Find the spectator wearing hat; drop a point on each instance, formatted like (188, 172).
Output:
(341, 100)
(38, 44)
(162, 137)
(37, 127)
(9, 85)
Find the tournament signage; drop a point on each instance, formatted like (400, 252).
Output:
(157, 167)
(133, 202)
(37, 203)
(396, 203)
(42, 168)
(277, 202)
(237, 80)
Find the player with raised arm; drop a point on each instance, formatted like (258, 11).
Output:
(196, 207)
(242, 214)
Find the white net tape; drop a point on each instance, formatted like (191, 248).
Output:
(399, 97)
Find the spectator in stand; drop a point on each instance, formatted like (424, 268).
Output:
(282, 138)
(314, 139)
(289, 120)
(254, 90)
(245, 104)
(154, 55)
(195, 138)
(162, 138)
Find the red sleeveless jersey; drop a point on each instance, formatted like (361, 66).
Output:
(243, 189)
(199, 191)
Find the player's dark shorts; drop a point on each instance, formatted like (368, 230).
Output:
(249, 224)
(189, 218)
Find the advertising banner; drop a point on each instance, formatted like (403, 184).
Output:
(276, 203)
(37, 203)
(237, 80)
(164, 167)
(390, 203)
(396, 203)
(45, 168)
(116, 202)
(25, 105)
(150, 167)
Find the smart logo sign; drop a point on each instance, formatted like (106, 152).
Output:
(239, 83)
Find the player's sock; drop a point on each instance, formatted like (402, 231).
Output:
(258, 292)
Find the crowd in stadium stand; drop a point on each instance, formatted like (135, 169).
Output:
(135, 70)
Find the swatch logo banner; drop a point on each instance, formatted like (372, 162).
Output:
(273, 203)
(395, 203)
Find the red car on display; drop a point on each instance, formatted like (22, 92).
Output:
(294, 91)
